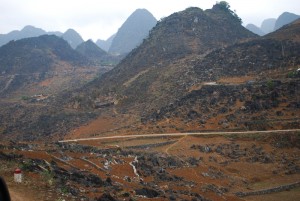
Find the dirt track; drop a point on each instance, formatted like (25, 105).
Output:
(22, 193)
(181, 134)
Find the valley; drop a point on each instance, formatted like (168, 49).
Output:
(191, 107)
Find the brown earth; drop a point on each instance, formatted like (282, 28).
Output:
(227, 165)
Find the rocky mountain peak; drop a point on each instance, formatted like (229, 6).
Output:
(133, 31)
(73, 38)
(285, 18)
(90, 50)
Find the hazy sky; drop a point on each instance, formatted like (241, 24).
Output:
(95, 19)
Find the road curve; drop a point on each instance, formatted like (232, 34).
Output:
(179, 134)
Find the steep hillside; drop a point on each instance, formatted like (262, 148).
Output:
(34, 63)
(72, 37)
(132, 32)
(197, 70)
(91, 50)
(288, 32)
(96, 55)
(251, 85)
(156, 73)
(34, 71)
(32, 55)
(247, 85)
(151, 73)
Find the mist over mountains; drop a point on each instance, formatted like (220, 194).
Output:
(268, 25)
(105, 44)
(71, 36)
(130, 35)
(271, 24)
(26, 32)
(133, 31)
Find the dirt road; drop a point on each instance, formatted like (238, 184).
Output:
(181, 134)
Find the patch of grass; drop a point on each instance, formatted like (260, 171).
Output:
(26, 165)
(270, 84)
(64, 190)
(291, 74)
(48, 177)
(7, 165)
(25, 98)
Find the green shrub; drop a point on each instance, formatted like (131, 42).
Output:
(48, 177)
(25, 98)
(270, 84)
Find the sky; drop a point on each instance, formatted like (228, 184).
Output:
(99, 19)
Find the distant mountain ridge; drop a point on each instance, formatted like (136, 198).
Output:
(253, 28)
(29, 31)
(285, 18)
(105, 44)
(272, 24)
(73, 38)
(268, 25)
(133, 31)
(26, 32)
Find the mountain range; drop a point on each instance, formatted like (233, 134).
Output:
(201, 109)
(271, 24)
(47, 64)
(197, 70)
(71, 36)
(131, 33)
(217, 69)
(26, 32)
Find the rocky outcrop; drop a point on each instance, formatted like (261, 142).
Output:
(205, 104)
(149, 193)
